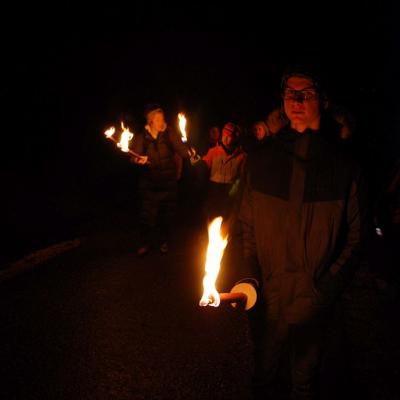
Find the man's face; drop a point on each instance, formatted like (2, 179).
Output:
(227, 137)
(301, 102)
(157, 122)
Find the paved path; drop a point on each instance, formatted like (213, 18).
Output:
(96, 322)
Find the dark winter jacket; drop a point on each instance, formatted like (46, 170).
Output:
(161, 171)
(303, 217)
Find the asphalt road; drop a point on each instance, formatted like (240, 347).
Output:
(99, 323)
(96, 322)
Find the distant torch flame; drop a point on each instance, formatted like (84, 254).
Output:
(182, 126)
(126, 137)
(109, 132)
(215, 251)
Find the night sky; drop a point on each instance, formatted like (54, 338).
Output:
(64, 86)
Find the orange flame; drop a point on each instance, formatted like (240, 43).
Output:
(109, 132)
(126, 137)
(182, 126)
(215, 251)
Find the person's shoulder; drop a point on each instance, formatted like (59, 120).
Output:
(335, 148)
(171, 133)
(142, 132)
(211, 152)
(139, 136)
(169, 130)
(218, 149)
(266, 146)
(335, 152)
(260, 156)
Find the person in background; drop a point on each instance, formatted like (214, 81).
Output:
(260, 131)
(225, 163)
(213, 136)
(276, 120)
(257, 136)
(345, 120)
(157, 145)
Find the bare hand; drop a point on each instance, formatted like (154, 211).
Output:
(194, 159)
(192, 152)
(141, 160)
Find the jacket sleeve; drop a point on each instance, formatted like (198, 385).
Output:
(250, 267)
(138, 144)
(356, 230)
(208, 158)
(181, 148)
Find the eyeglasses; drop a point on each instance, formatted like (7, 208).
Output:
(307, 94)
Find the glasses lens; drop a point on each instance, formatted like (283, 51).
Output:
(300, 95)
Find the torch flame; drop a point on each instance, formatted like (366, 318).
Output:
(126, 137)
(182, 126)
(109, 132)
(215, 251)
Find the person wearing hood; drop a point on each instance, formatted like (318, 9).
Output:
(302, 226)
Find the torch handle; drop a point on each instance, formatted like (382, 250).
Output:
(130, 151)
(233, 297)
(134, 154)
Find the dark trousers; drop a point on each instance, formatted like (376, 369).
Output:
(301, 342)
(157, 213)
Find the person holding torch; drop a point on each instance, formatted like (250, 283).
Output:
(157, 145)
(303, 215)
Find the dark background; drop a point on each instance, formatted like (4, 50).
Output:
(72, 74)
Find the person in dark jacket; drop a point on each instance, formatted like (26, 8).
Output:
(303, 215)
(157, 145)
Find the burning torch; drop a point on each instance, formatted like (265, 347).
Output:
(242, 294)
(123, 144)
(182, 127)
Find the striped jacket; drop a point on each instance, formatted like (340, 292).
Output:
(224, 167)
